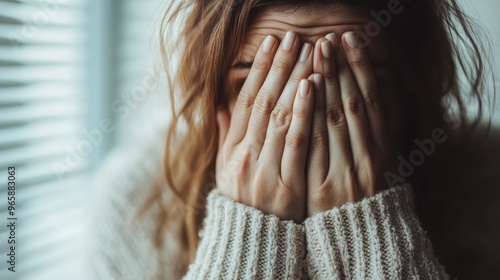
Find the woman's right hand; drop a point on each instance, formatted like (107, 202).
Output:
(263, 145)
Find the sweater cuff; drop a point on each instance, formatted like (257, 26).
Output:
(378, 237)
(241, 242)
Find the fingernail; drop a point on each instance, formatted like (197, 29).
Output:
(288, 41)
(351, 39)
(268, 43)
(333, 38)
(304, 88)
(306, 50)
(318, 82)
(326, 49)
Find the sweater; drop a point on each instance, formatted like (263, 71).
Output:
(379, 237)
(376, 238)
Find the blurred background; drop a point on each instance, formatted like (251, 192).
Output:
(78, 78)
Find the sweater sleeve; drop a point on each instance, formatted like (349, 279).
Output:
(378, 237)
(241, 242)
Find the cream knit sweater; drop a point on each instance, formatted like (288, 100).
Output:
(377, 238)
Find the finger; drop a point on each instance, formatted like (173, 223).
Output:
(256, 77)
(365, 77)
(338, 132)
(297, 137)
(281, 116)
(317, 159)
(271, 90)
(352, 100)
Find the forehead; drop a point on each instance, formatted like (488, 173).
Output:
(310, 23)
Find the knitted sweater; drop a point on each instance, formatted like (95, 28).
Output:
(376, 238)
(379, 237)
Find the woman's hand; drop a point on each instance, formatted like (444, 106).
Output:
(263, 149)
(348, 148)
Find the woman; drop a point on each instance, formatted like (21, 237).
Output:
(307, 131)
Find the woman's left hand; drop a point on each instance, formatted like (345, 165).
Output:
(348, 151)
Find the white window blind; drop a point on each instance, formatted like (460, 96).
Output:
(42, 114)
(63, 63)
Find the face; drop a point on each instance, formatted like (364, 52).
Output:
(311, 24)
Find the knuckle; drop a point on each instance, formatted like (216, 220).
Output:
(358, 61)
(371, 100)
(245, 99)
(335, 116)
(301, 112)
(280, 117)
(329, 75)
(354, 103)
(328, 70)
(294, 140)
(261, 64)
(319, 140)
(263, 105)
(281, 64)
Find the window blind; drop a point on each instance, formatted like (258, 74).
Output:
(62, 65)
(42, 115)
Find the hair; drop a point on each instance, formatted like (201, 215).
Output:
(440, 42)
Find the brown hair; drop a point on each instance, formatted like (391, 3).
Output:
(436, 37)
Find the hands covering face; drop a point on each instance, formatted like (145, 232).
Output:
(307, 133)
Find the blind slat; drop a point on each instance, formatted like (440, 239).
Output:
(24, 114)
(39, 92)
(32, 133)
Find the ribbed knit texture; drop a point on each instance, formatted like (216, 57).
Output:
(241, 242)
(377, 238)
